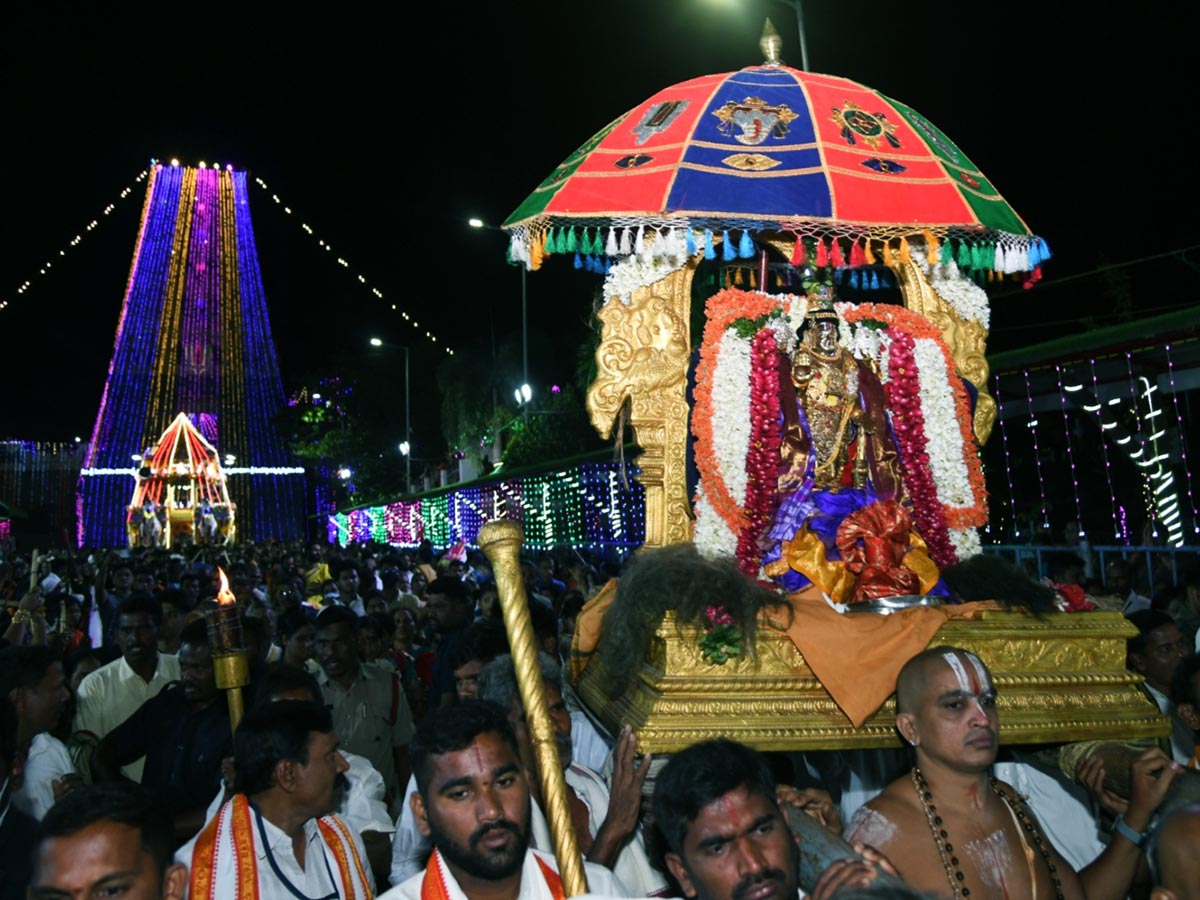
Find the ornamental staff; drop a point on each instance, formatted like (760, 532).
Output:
(501, 541)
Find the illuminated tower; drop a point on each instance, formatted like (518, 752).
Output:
(194, 337)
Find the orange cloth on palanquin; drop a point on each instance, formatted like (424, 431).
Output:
(857, 656)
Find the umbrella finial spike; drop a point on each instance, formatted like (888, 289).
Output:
(771, 45)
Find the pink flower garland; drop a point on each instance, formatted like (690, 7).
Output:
(903, 392)
(762, 456)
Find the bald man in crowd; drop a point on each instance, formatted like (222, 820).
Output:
(949, 824)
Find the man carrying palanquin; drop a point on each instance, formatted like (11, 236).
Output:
(949, 824)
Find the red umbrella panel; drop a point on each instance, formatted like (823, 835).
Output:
(771, 148)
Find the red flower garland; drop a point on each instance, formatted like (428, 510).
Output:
(762, 456)
(903, 393)
(898, 318)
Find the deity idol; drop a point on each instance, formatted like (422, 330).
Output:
(841, 521)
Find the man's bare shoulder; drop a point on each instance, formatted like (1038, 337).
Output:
(898, 800)
(882, 820)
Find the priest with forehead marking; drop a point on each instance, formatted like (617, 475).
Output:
(954, 829)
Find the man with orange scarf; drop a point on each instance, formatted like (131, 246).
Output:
(472, 800)
(276, 838)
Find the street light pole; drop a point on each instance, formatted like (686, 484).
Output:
(406, 447)
(524, 338)
(479, 223)
(796, 8)
(407, 428)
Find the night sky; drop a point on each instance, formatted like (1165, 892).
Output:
(386, 134)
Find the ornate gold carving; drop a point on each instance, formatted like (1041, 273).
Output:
(643, 360)
(1061, 677)
(967, 340)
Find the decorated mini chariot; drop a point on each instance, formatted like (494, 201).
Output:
(180, 494)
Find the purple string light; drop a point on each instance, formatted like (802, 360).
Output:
(1183, 455)
(1147, 494)
(1112, 494)
(1062, 398)
(1033, 426)
(1012, 501)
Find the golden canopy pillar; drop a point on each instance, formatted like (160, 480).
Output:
(642, 364)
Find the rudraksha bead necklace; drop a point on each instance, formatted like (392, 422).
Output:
(949, 859)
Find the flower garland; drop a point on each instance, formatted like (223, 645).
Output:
(904, 399)
(969, 300)
(946, 458)
(722, 639)
(732, 439)
(961, 509)
(966, 542)
(650, 263)
(724, 310)
(1071, 598)
(762, 455)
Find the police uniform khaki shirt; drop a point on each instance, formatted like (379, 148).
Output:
(371, 717)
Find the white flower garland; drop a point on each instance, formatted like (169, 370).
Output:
(969, 300)
(945, 445)
(966, 542)
(711, 535)
(651, 261)
(731, 404)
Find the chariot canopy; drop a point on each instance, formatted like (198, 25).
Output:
(180, 485)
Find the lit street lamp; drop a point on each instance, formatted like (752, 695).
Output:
(479, 223)
(406, 445)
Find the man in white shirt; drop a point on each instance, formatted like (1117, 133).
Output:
(111, 694)
(276, 838)
(346, 580)
(473, 801)
(606, 814)
(31, 677)
(360, 802)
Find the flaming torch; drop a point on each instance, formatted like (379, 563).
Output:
(228, 648)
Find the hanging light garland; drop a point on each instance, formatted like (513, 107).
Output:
(362, 279)
(1062, 399)
(1012, 500)
(1033, 426)
(1183, 452)
(141, 176)
(1112, 492)
(1139, 455)
(75, 241)
(582, 506)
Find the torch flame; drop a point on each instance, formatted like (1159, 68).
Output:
(224, 595)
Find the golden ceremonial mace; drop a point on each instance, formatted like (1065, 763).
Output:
(500, 541)
(228, 648)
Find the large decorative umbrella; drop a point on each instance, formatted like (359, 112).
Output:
(773, 149)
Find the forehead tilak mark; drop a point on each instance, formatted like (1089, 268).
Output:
(734, 819)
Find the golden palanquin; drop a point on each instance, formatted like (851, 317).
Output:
(1061, 678)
